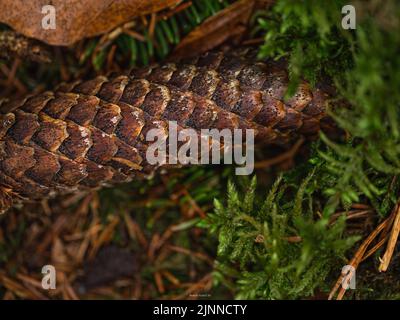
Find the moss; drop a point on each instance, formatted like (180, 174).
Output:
(359, 169)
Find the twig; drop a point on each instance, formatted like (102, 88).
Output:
(135, 35)
(152, 25)
(253, 41)
(282, 157)
(159, 282)
(174, 11)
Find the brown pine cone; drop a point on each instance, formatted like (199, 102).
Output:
(91, 133)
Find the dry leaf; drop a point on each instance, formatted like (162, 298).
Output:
(74, 19)
(215, 30)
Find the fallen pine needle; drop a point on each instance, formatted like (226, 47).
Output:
(362, 252)
(387, 257)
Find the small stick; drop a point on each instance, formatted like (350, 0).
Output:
(135, 35)
(175, 10)
(282, 157)
(152, 25)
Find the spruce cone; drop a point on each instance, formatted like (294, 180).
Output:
(91, 133)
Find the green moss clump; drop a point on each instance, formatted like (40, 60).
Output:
(364, 64)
